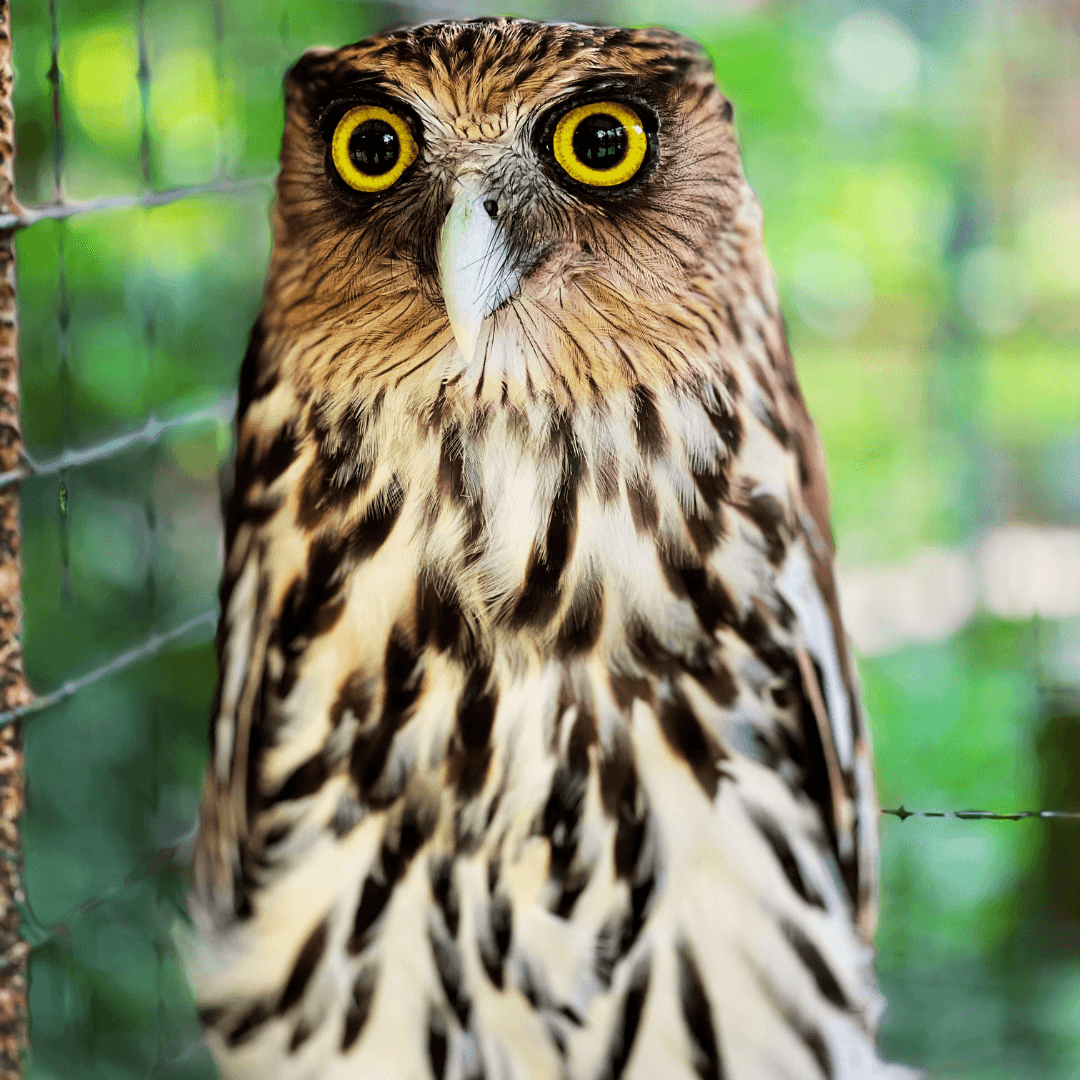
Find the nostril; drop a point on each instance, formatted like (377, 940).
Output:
(492, 208)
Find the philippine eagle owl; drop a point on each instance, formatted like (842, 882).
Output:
(537, 750)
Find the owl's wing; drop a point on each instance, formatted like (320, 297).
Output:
(242, 638)
(222, 855)
(827, 670)
(830, 687)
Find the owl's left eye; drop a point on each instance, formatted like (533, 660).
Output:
(601, 144)
(371, 148)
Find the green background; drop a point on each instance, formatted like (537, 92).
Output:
(919, 164)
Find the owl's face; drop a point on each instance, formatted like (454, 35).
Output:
(451, 188)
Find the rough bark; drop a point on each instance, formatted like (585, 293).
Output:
(13, 688)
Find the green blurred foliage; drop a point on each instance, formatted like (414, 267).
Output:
(919, 176)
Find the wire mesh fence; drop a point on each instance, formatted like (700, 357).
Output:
(147, 140)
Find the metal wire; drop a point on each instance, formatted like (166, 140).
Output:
(903, 814)
(152, 432)
(58, 211)
(153, 645)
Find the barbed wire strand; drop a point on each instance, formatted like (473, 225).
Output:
(178, 855)
(903, 814)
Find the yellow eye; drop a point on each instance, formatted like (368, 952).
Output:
(371, 148)
(601, 144)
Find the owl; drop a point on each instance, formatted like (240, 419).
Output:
(537, 751)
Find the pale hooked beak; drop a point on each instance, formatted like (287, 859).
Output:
(475, 267)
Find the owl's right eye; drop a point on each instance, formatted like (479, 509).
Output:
(371, 148)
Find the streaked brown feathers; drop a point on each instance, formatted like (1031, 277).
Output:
(538, 749)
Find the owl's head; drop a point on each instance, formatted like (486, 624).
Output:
(534, 201)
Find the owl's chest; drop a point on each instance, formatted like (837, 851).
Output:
(542, 521)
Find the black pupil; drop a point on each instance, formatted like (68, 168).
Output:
(600, 141)
(374, 147)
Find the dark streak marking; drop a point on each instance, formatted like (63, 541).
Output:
(334, 480)
(397, 851)
(437, 411)
(307, 960)
(733, 320)
(725, 423)
(557, 1038)
(705, 532)
(606, 952)
(257, 377)
(572, 1015)
(623, 801)
(437, 1043)
(803, 458)
(581, 627)
(445, 893)
(313, 604)
(353, 697)
(648, 429)
(575, 885)
(710, 600)
(304, 780)
(495, 943)
(275, 835)
(561, 817)
(470, 756)
(363, 993)
(271, 463)
(502, 923)
(301, 1033)
(698, 1015)
(690, 741)
(626, 1025)
(644, 510)
(640, 895)
(767, 514)
(767, 415)
(211, 1015)
(249, 1023)
(539, 597)
(451, 973)
(373, 900)
(814, 1042)
(451, 487)
(713, 486)
(776, 840)
(527, 984)
(713, 676)
(370, 532)
(256, 512)
(371, 747)
(440, 619)
(626, 689)
(755, 633)
(815, 963)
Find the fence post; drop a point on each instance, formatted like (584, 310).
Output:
(13, 688)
